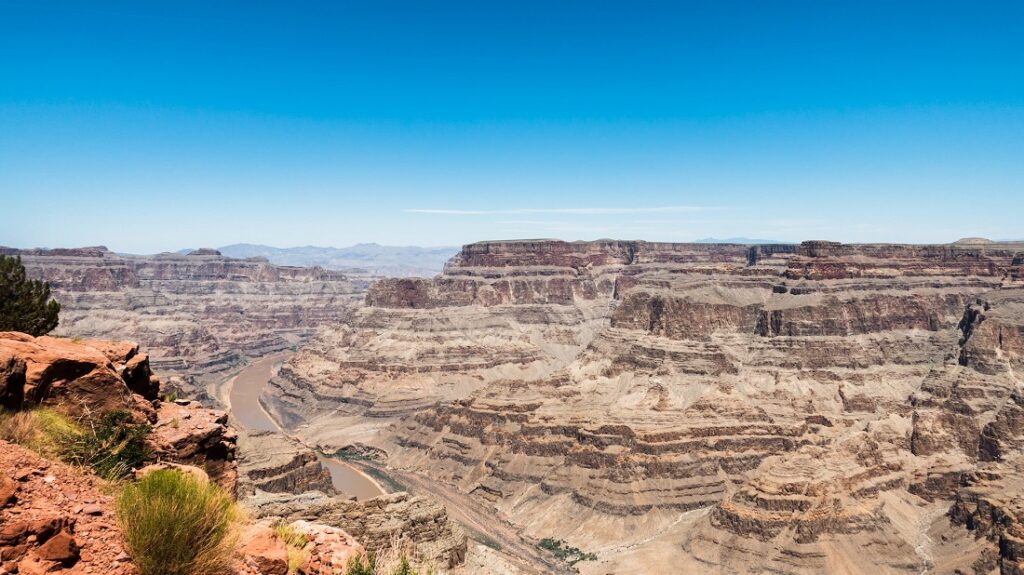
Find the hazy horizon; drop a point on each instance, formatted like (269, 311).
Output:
(150, 128)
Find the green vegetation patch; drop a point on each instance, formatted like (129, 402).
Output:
(564, 552)
(25, 305)
(176, 524)
(112, 446)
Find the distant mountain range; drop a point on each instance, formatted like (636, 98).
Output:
(738, 241)
(393, 261)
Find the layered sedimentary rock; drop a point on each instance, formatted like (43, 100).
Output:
(198, 315)
(378, 523)
(724, 408)
(270, 462)
(282, 480)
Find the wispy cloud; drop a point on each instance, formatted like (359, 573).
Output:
(573, 211)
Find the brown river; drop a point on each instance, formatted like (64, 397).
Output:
(247, 411)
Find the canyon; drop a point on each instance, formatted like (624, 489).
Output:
(608, 406)
(199, 315)
(716, 408)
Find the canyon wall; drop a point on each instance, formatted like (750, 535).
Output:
(719, 408)
(199, 315)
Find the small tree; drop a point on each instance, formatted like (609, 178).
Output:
(25, 304)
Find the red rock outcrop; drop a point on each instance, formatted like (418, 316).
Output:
(82, 376)
(87, 378)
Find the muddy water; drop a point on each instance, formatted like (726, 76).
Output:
(246, 409)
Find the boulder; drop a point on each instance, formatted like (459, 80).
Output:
(187, 433)
(60, 548)
(60, 371)
(265, 552)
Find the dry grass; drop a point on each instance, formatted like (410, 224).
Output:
(111, 446)
(393, 560)
(44, 430)
(175, 524)
(296, 543)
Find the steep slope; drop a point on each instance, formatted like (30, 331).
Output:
(721, 408)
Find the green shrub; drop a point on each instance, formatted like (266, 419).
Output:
(112, 446)
(362, 566)
(175, 524)
(403, 567)
(565, 552)
(25, 304)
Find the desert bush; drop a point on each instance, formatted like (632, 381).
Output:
(113, 446)
(175, 524)
(565, 552)
(362, 566)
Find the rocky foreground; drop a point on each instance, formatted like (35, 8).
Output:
(58, 518)
(812, 408)
(199, 315)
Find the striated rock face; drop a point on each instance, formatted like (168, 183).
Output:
(273, 463)
(378, 524)
(198, 315)
(723, 408)
(284, 481)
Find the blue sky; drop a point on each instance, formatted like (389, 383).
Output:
(155, 126)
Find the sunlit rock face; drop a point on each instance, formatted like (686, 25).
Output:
(725, 407)
(199, 315)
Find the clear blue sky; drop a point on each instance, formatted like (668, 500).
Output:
(151, 126)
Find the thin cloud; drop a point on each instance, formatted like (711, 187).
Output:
(574, 211)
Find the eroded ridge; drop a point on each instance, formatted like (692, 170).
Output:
(199, 315)
(723, 407)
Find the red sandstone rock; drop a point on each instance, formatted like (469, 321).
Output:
(7, 489)
(41, 531)
(192, 435)
(59, 371)
(60, 548)
(265, 552)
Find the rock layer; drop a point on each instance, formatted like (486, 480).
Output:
(198, 315)
(721, 407)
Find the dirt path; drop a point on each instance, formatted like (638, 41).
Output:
(486, 525)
